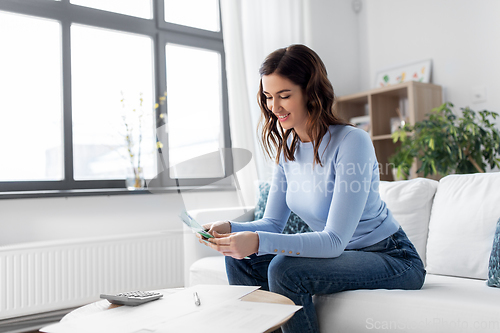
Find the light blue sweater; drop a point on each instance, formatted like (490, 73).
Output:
(339, 200)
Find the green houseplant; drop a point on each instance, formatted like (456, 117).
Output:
(445, 143)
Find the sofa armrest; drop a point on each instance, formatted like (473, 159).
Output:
(193, 249)
(218, 214)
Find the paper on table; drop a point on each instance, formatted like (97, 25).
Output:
(103, 305)
(126, 319)
(231, 316)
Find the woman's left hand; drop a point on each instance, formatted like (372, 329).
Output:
(237, 244)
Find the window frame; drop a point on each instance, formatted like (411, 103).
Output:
(160, 32)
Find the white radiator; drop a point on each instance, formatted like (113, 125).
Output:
(48, 276)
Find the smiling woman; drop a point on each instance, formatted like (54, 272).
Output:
(301, 71)
(286, 101)
(327, 173)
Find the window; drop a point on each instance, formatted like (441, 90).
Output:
(206, 15)
(89, 88)
(193, 90)
(31, 136)
(99, 131)
(137, 8)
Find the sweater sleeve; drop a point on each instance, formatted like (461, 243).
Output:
(276, 213)
(354, 166)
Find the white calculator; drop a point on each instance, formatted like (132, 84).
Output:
(132, 298)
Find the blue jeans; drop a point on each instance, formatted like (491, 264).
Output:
(392, 263)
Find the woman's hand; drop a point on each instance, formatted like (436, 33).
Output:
(237, 244)
(221, 227)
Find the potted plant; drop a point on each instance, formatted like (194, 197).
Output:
(445, 144)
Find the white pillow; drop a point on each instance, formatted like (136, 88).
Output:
(463, 220)
(410, 202)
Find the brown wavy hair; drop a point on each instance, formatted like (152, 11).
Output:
(303, 67)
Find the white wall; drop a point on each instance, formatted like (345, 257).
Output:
(45, 219)
(333, 32)
(461, 36)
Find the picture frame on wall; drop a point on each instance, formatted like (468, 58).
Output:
(417, 71)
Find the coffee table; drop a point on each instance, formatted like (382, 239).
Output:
(255, 296)
(269, 297)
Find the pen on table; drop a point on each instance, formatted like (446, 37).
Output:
(196, 299)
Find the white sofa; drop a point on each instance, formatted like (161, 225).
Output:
(451, 223)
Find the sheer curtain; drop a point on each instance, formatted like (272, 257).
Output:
(252, 29)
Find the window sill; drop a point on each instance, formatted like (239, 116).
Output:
(108, 191)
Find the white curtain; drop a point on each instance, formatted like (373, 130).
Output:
(252, 29)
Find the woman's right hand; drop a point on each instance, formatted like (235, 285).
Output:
(221, 227)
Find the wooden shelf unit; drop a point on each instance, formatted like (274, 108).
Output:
(414, 100)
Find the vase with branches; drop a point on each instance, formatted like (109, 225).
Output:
(135, 119)
(132, 122)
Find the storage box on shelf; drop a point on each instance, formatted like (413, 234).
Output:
(410, 100)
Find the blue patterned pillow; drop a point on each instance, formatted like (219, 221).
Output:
(294, 224)
(494, 267)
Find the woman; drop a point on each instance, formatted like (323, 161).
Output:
(327, 173)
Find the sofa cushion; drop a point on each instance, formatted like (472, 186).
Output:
(462, 225)
(444, 304)
(494, 267)
(294, 225)
(410, 202)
